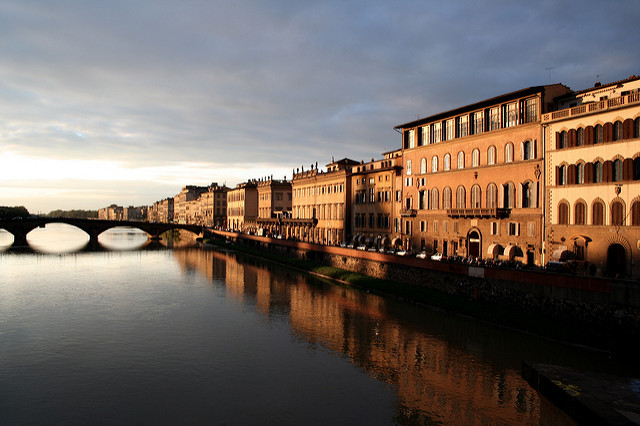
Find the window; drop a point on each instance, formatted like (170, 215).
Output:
(597, 172)
(580, 213)
(526, 195)
(461, 201)
(513, 228)
(580, 173)
(478, 122)
(461, 160)
(476, 196)
(435, 202)
(449, 128)
(494, 228)
(412, 139)
(422, 201)
(635, 214)
(494, 118)
(492, 196)
(462, 126)
(563, 213)
(408, 167)
(509, 195)
(597, 213)
(510, 114)
(580, 136)
(423, 226)
(508, 153)
(617, 213)
(617, 170)
(446, 198)
(531, 110)
(562, 175)
(617, 131)
(527, 153)
(636, 128)
(425, 140)
(434, 164)
(531, 229)
(597, 134)
(491, 155)
(447, 162)
(636, 168)
(562, 141)
(435, 132)
(475, 158)
(423, 166)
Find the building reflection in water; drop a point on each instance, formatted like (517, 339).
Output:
(440, 375)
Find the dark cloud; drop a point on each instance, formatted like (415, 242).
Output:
(283, 82)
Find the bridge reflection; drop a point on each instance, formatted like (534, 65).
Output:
(93, 227)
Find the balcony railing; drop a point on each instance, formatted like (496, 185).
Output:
(408, 212)
(486, 212)
(632, 98)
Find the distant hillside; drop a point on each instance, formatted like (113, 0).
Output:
(11, 212)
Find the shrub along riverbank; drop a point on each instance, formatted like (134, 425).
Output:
(576, 333)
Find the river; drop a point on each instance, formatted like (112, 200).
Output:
(132, 333)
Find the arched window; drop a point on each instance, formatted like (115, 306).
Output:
(580, 213)
(461, 160)
(423, 202)
(434, 164)
(636, 168)
(617, 170)
(491, 155)
(617, 130)
(476, 196)
(475, 158)
(562, 175)
(492, 196)
(563, 213)
(508, 153)
(508, 195)
(617, 213)
(580, 173)
(562, 143)
(580, 136)
(635, 214)
(423, 165)
(435, 202)
(447, 161)
(597, 134)
(527, 153)
(597, 172)
(597, 213)
(461, 195)
(636, 128)
(526, 195)
(446, 198)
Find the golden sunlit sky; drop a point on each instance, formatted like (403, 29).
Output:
(126, 102)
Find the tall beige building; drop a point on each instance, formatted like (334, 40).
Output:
(242, 207)
(473, 184)
(593, 179)
(185, 210)
(322, 203)
(274, 204)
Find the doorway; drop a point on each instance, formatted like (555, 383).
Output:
(616, 261)
(473, 242)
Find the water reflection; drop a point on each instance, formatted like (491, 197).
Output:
(57, 238)
(444, 369)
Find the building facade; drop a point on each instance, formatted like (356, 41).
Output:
(376, 194)
(185, 209)
(472, 178)
(242, 207)
(321, 206)
(593, 179)
(275, 201)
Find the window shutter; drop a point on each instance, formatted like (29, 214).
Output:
(588, 172)
(557, 175)
(607, 132)
(588, 135)
(572, 138)
(557, 140)
(571, 174)
(627, 169)
(627, 129)
(607, 171)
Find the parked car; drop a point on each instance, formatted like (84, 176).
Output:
(362, 247)
(372, 249)
(422, 255)
(401, 252)
(436, 256)
(391, 251)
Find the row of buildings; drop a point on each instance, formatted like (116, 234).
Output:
(536, 175)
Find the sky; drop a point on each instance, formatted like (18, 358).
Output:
(125, 102)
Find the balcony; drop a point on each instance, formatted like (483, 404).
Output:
(408, 212)
(486, 213)
(591, 107)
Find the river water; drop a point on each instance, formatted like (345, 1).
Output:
(138, 334)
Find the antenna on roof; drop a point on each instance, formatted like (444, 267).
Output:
(549, 71)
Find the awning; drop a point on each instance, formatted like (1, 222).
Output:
(512, 251)
(561, 254)
(397, 241)
(386, 241)
(494, 250)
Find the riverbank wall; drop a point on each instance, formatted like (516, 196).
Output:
(602, 303)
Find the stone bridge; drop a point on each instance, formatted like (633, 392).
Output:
(94, 227)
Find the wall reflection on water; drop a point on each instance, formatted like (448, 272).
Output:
(445, 369)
